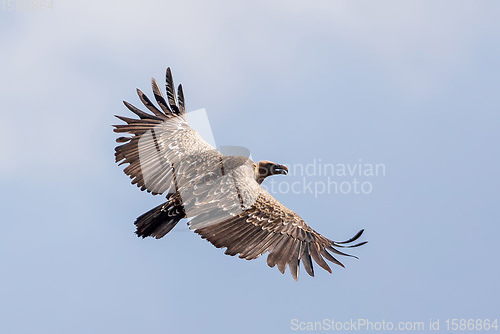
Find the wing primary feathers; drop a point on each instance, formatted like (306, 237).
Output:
(180, 98)
(159, 98)
(313, 248)
(129, 120)
(171, 91)
(141, 113)
(352, 239)
(287, 253)
(294, 264)
(138, 129)
(123, 139)
(147, 102)
(330, 258)
(276, 252)
(352, 246)
(306, 260)
(339, 252)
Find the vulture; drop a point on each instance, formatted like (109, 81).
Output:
(221, 195)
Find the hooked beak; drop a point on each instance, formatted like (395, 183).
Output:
(280, 169)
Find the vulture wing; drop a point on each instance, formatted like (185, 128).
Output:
(267, 226)
(160, 141)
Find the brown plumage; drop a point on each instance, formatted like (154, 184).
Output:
(222, 194)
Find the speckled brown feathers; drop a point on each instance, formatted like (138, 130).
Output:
(268, 226)
(222, 194)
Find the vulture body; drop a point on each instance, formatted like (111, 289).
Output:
(221, 194)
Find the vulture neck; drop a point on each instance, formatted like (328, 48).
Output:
(259, 177)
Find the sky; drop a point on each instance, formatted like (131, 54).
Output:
(411, 86)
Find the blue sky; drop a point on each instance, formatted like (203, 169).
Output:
(411, 85)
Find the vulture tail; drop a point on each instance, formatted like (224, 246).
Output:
(159, 221)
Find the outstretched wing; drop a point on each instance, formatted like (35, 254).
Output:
(231, 209)
(269, 226)
(160, 140)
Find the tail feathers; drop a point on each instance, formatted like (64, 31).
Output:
(159, 221)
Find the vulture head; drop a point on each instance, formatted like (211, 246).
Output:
(267, 168)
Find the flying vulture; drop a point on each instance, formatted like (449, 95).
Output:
(220, 194)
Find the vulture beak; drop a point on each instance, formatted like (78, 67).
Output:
(280, 169)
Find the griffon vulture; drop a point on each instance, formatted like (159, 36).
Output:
(221, 194)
